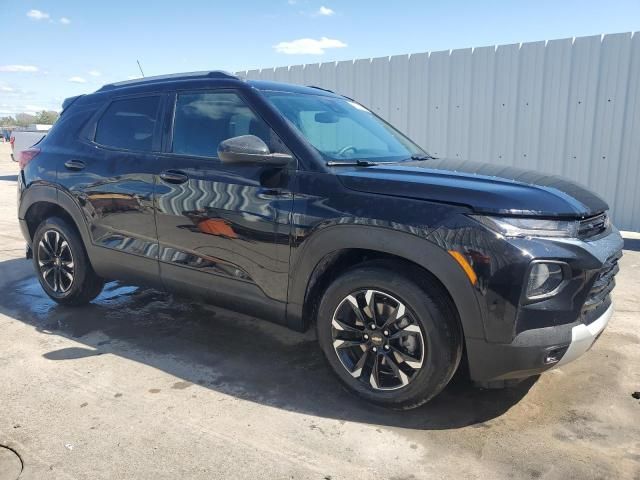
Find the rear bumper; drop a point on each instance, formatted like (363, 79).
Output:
(533, 351)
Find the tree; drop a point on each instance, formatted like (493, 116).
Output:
(24, 119)
(47, 117)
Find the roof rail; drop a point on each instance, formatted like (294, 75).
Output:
(171, 76)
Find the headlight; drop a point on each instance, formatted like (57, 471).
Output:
(529, 227)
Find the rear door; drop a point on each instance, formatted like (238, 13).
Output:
(223, 229)
(112, 177)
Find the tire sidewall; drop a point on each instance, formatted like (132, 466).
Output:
(441, 336)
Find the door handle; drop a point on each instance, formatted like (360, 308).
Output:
(174, 176)
(74, 164)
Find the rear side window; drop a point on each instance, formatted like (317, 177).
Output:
(203, 120)
(129, 123)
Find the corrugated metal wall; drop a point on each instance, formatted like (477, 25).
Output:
(569, 107)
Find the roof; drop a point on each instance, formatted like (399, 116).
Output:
(289, 87)
(218, 75)
(214, 74)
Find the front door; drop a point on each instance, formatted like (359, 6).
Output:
(223, 230)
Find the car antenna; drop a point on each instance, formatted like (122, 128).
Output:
(140, 67)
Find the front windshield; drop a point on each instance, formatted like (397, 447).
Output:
(343, 130)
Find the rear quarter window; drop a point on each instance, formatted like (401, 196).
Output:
(129, 123)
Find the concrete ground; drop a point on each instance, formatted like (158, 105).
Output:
(145, 385)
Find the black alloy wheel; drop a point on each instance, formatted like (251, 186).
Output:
(63, 267)
(55, 261)
(377, 340)
(390, 332)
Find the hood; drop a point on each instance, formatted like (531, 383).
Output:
(485, 188)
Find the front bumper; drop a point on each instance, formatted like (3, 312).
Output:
(533, 352)
(533, 337)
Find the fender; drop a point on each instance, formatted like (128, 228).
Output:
(52, 194)
(401, 244)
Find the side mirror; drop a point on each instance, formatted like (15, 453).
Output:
(249, 149)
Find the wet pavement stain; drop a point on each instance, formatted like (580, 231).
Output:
(181, 385)
(238, 355)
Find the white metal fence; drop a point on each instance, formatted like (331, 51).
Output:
(569, 107)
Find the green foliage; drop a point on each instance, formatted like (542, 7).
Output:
(45, 117)
(24, 119)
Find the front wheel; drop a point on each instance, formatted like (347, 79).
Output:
(391, 340)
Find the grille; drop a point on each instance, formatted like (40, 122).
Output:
(592, 226)
(598, 297)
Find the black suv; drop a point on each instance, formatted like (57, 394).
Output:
(301, 206)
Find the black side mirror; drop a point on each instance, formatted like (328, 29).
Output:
(249, 149)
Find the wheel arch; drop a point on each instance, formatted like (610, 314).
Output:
(41, 201)
(326, 254)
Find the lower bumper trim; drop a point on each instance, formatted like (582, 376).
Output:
(584, 336)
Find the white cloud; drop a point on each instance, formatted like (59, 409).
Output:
(308, 46)
(37, 15)
(6, 89)
(94, 73)
(292, 2)
(77, 80)
(65, 21)
(31, 106)
(18, 68)
(326, 11)
(34, 108)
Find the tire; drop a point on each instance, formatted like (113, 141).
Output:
(425, 343)
(58, 254)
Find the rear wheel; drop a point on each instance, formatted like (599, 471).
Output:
(62, 264)
(391, 340)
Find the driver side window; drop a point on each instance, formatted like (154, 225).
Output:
(203, 120)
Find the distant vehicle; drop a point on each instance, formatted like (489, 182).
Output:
(23, 139)
(303, 207)
(38, 127)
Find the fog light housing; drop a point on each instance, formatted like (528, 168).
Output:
(554, 355)
(545, 279)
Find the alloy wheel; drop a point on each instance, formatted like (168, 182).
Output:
(55, 262)
(377, 339)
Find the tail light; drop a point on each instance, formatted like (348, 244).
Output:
(27, 155)
(12, 140)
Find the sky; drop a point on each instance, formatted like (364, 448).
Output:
(53, 49)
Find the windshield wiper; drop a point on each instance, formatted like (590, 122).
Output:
(422, 157)
(353, 163)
